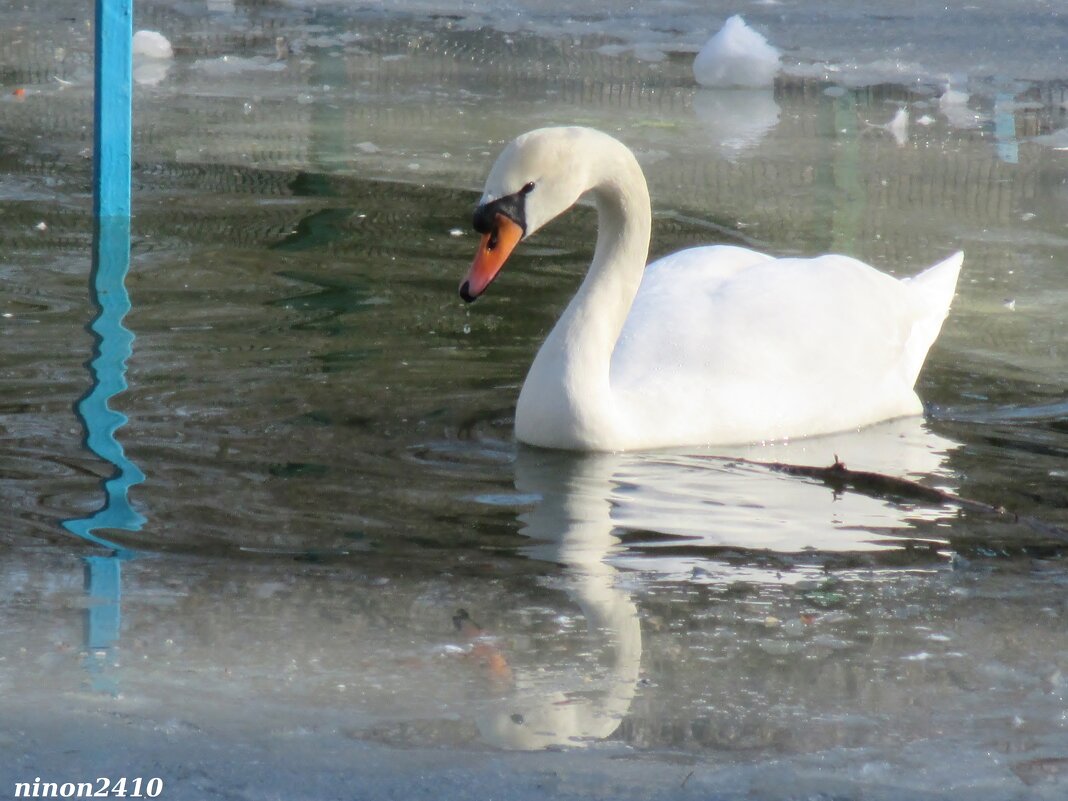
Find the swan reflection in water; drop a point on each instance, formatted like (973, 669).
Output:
(571, 525)
(586, 501)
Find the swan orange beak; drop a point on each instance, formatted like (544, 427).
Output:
(493, 251)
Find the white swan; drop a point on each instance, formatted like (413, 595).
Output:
(710, 345)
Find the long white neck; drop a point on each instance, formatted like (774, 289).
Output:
(567, 398)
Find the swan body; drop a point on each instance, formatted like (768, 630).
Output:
(710, 345)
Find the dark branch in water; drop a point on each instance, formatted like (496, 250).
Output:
(876, 485)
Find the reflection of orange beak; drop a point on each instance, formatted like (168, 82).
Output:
(493, 251)
(484, 651)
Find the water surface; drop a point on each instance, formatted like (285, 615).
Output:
(325, 431)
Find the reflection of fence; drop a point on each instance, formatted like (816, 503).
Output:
(393, 97)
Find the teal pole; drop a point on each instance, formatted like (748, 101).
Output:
(113, 130)
(112, 163)
(113, 108)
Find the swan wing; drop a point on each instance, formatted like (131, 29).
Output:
(728, 345)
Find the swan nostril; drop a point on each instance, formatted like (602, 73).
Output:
(491, 243)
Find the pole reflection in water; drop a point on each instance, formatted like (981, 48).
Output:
(1008, 146)
(114, 344)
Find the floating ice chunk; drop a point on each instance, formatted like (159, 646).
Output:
(1011, 106)
(953, 97)
(954, 107)
(643, 52)
(853, 74)
(152, 53)
(736, 56)
(233, 65)
(152, 44)
(1057, 140)
(322, 41)
(652, 55)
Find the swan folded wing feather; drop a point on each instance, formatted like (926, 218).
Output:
(764, 348)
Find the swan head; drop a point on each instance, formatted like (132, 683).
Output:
(538, 175)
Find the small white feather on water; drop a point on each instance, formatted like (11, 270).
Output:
(899, 126)
(737, 56)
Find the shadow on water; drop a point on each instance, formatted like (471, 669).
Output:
(114, 346)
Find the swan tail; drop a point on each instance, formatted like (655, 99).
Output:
(935, 287)
(939, 283)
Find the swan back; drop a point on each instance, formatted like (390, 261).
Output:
(725, 345)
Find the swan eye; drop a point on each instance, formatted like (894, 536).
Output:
(527, 188)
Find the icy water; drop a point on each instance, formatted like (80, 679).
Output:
(328, 556)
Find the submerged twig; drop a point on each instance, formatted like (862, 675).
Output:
(877, 485)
